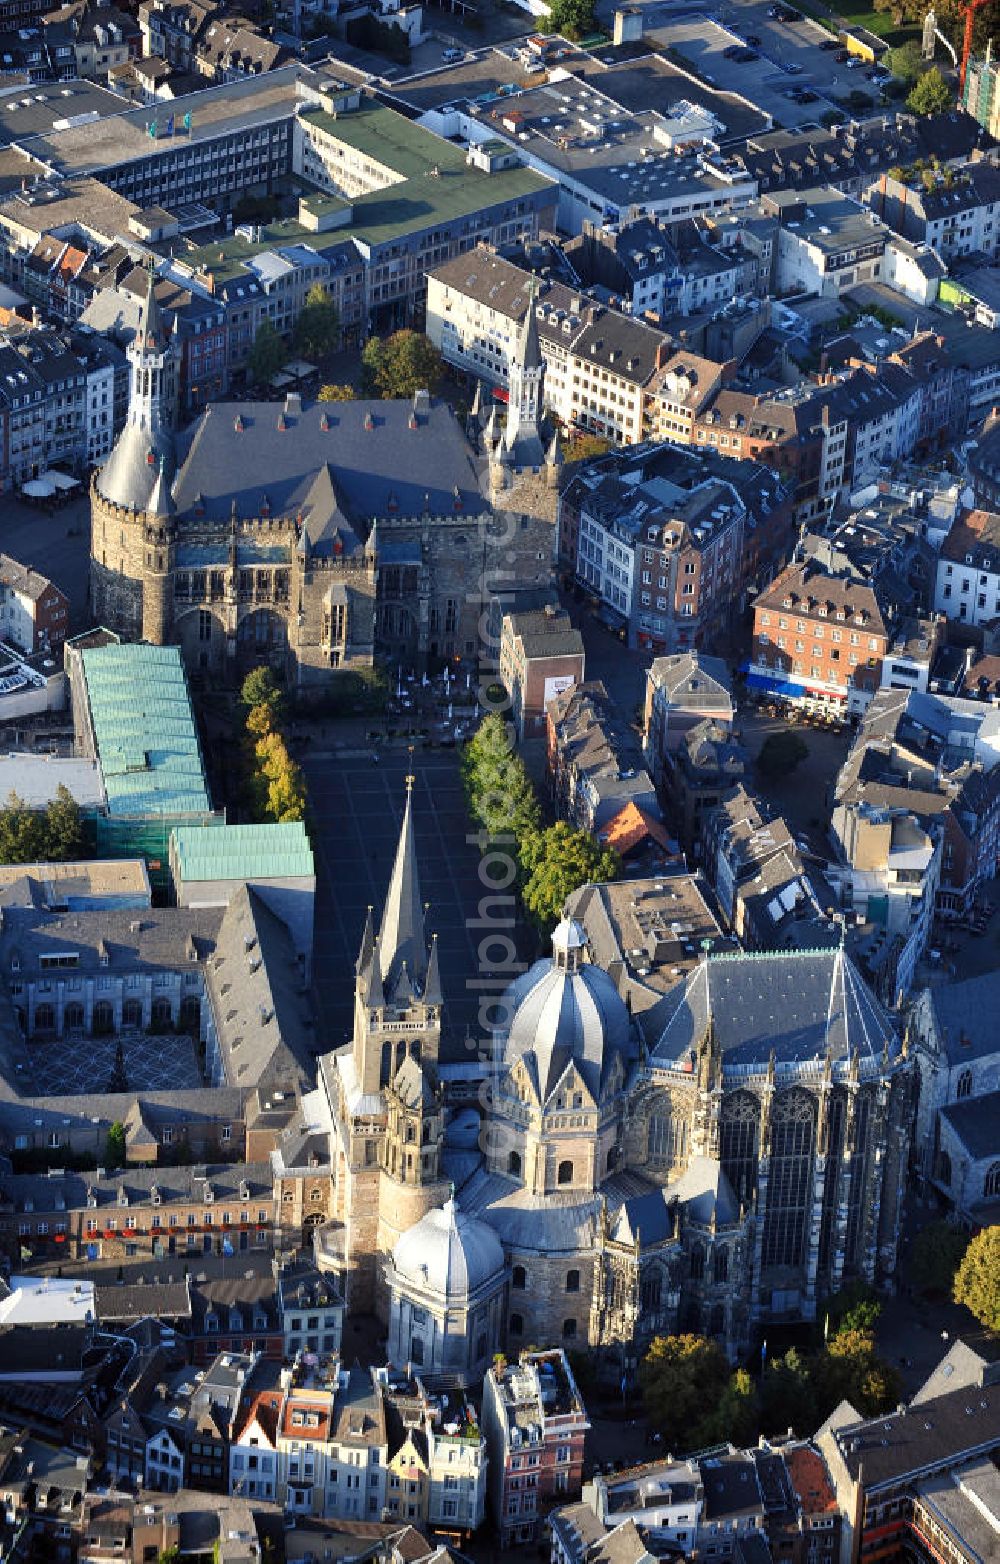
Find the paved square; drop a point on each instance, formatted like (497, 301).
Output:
(76, 1065)
(357, 809)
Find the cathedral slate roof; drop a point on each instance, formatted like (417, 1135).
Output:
(965, 1016)
(558, 1016)
(383, 457)
(799, 1005)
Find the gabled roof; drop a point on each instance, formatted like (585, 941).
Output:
(800, 1005)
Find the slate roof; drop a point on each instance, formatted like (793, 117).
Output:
(933, 1435)
(146, 939)
(965, 1017)
(120, 1302)
(378, 463)
(976, 1123)
(262, 1015)
(184, 1184)
(801, 1005)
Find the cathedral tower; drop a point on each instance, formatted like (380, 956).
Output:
(524, 458)
(132, 510)
(394, 1113)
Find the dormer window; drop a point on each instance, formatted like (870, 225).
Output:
(91, 1198)
(209, 1194)
(122, 1196)
(155, 1196)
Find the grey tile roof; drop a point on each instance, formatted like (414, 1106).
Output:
(373, 468)
(933, 1435)
(976, 1122)
(965, 1017)
(143, 939)
(44, 1191)
(800, 1005)
(261, 1010)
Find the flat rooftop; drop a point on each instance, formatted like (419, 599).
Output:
(242, 852)
(43, 106)
(37, 778)
(830, 221)
(110, 141)
(579, 130)
(47, 1300)
(69, 884)
(144, 731)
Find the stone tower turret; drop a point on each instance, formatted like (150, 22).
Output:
(132, 509)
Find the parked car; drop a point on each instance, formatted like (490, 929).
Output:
(451, 56)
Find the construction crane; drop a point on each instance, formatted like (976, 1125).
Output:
(970, 16)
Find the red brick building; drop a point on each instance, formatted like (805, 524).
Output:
(535, 1424)
(818, 639)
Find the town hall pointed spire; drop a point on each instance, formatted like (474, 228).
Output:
(401, 937)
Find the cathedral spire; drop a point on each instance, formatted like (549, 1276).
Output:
(401, 937)
(526, 376)
(152, 335)
(432, 983)
(367, 943)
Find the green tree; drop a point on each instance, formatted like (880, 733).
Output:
(336, 393)
(849, 1369)
(400, 365)
(115, 1149)
(570, 18)
(261, 687)
(498, 790)
(587, 447)
(786, 1395)
(780, 753)
(169, 1556)
(22, 832)
(281, 788)
(935, 1255)
(317, 330)
(681, 1377)
(736, 1419)
(268, 355)
(855, 1307)
(566, 858)
(907, 61)
(977, 1280)
(63, 827)
(930, 95)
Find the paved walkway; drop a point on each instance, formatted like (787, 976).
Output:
(77, 1065)
(356, 804)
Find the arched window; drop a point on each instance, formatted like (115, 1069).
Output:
(161, 1013)
(944, 1168)
(416, 1350)
(738, 1142)
(964, 1087)
(569, 1330)
(514, 1164)
(519, 1277)
(697, 1263)
(565, 1174)
(411, 1134)
(73, 1016)
(790, 1185)
(132, 1012)
(45, 1018)
(720, 1265)
(572, 1281)
(516, 1325)
(991, 1183)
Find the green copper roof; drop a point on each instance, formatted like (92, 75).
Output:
(145, 733)
(242, 852)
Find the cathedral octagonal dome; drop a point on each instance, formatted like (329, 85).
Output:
(448, 1253)
(566, 1009)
